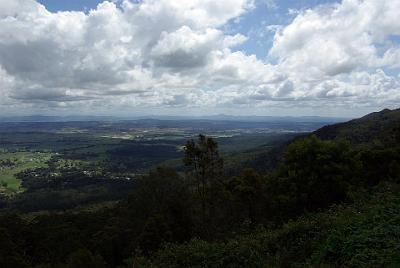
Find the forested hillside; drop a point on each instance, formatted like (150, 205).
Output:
(375, 129)
(333, 200)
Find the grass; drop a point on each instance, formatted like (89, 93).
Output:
(23, 161)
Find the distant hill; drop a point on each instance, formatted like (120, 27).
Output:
(254, 118)
(219, 118)
(379, 128)
(46, 118)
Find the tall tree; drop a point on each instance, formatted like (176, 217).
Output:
(206, 167)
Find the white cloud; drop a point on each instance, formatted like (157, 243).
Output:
(185, 48)
(162, 53)
(339, 38)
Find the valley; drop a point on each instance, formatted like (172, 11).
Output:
(44, 154)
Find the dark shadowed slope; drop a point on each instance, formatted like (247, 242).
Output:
(379, 128)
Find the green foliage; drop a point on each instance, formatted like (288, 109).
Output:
(369, 239)
(319, 172)
(376, 130)
(205, 170)
(83, 258)
(247, 190)
(161, 208)
(198, 253)
(365, 234)
(10, 256)
(380, 165)
(203, 158)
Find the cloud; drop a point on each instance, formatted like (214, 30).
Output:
(160, 53)
(185, 48)
(338, 38)
(112, 48)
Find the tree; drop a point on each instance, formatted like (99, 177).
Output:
(83, 258)
(206, 168)
(380, 165)
(10, 255)
(155, 232)
(319, 171)
(247, 189)
(161, 209)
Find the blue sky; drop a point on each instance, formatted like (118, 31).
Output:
(239, 57)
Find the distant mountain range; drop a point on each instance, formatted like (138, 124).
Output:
(45, 118)
(221, 117)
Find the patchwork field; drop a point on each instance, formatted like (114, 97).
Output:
(11, 163)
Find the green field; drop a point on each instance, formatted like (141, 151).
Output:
(21, 161)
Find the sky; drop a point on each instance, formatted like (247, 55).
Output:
(199, 57)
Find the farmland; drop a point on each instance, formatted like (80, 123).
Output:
(11, 163)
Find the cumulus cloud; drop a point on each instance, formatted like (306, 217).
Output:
(112, 49)
(162, 53)
(339, 38)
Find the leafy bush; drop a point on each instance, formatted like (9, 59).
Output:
(369, 239)
(365, 234)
